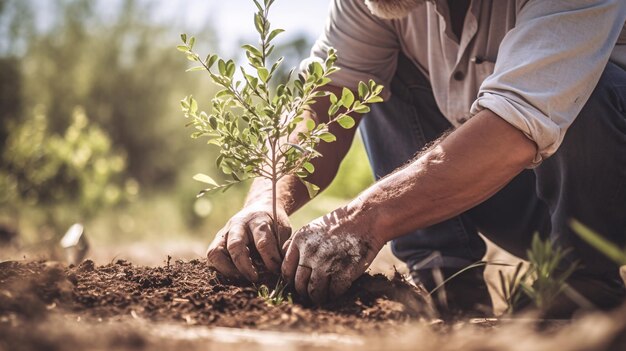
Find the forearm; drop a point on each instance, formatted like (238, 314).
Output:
(291, 193)
(461, 171)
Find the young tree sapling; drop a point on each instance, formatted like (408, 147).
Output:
(259, 129)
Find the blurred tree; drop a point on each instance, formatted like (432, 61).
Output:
(120, 67)
(78, 169)
(10, 94)
(15, 26)
(115, 61)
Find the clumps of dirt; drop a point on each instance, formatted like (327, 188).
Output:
(28, 290)
(192, 293)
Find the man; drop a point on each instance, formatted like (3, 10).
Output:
(519, 109)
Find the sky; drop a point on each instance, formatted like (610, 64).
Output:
(233, 18)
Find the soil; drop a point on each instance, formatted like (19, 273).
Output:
(48, 306)
(191, 293)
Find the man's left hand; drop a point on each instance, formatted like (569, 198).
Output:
(325, 256)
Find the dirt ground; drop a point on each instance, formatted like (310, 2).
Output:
(183, 304)
(185, 293)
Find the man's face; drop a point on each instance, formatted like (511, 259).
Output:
(392, 9)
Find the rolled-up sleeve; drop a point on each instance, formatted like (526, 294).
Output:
(367, 47)
(548, 66)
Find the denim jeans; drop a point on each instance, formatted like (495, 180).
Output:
(585, 179)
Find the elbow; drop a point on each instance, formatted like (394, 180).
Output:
(525, 152)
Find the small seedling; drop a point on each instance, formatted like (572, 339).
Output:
(510, 290)
(542, 282)
(263, 132)
(274, 297)
(548, 281)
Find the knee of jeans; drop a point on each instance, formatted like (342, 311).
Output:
(605, 97)
(601, 114)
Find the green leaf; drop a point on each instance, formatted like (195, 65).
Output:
(346, 121)
(218, 160)
(297, 147)
(311, 188)
(194, 69)
(328, 137)
(324, 81)
(362, 90)
(230, 68)
(347, 97)
(310, 124)
(192, 41)
(184, 103)
(263, 74)
(274, 33)
(258, 23)
(221, 65)
(378, 89)
(226, 168)
(213, 122)
(362, 109)
(182, 48)
(309, 167)
(333, 98)
(211, 60)
(374, 99)
(253, 50)
(205, 179)
(333, 109)
(183, 37)
(316, 69)
(222, 93)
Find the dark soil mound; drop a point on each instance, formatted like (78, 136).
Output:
(193, 293)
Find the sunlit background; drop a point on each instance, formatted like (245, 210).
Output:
(91, 128)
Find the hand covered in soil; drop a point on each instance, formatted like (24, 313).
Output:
(249, 229)
(327, 255)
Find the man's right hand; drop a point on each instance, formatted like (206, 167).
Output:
(250, 228)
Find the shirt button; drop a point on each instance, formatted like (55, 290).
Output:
(458, 75)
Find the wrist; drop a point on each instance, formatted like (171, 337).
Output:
(260, 193)
(361, 211)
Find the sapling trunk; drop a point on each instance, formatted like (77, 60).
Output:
(275, 216)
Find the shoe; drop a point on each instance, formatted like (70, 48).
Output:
(464, 296)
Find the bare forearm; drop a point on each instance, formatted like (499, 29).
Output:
(464, 169)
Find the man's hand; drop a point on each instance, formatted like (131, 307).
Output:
(229, 252)
(327, 255)
(251, 227)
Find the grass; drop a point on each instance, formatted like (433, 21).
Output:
(510, 289)
(542, 282)
(277, 296)
(594, 239)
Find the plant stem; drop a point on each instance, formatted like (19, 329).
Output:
(274, 179)
(275, 213)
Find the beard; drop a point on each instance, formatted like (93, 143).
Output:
(392, 9)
